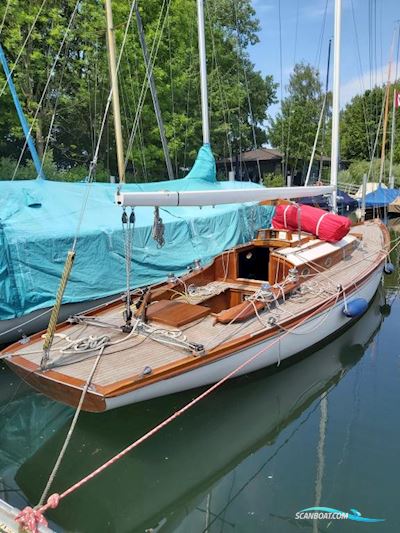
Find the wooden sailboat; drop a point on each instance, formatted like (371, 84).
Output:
(178, 485)
(253, 306)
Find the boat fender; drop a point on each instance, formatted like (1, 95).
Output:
(355, 307)
(388, 268)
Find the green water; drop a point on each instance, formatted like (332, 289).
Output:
(321, 432)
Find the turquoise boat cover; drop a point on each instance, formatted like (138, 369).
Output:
(38, 222)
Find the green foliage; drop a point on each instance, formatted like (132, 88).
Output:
(294, 128)
(357, 169)
(359, 125)
(273, 180)
(79, 86)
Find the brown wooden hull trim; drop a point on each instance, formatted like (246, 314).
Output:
(63, 391)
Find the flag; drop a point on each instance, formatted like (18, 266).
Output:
(396, 99)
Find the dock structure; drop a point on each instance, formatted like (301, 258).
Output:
(8, 523)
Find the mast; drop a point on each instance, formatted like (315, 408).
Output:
(336, 103)
(393, 132)
(115, 92)
(154, 96)
(386, 115)
(24, 124)
(203, 71)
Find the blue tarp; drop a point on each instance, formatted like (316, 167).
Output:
(381, 197)
(38, 221)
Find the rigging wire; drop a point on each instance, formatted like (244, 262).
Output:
(317, 60)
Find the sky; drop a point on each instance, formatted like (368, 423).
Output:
(311, 45)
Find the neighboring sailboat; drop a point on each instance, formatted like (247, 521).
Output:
(253, 306)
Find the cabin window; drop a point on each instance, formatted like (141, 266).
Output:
(253, 263)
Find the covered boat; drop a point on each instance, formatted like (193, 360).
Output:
(38, 224)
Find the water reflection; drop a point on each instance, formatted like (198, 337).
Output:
(211, 470)
(27, 420)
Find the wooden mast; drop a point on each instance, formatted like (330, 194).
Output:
(392, 137)
(115, 91)
(386, 115)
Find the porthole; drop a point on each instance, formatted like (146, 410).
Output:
(305, 271)
(328, 262)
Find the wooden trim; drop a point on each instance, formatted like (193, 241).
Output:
(57, 386)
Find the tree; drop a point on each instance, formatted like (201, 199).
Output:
(359, 123)
(294, 128)
(78, 88)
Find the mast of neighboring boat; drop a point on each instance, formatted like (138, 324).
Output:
(154, 96)
(22, 119)
(395, 92)
(203, 71)
(115, 91)
(336, 103)
(386, 115)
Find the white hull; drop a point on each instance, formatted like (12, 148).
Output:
(312, 332)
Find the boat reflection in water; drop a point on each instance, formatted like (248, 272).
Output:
(27, 420)
(187, 476)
